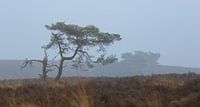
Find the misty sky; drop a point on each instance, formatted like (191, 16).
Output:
(168, 27)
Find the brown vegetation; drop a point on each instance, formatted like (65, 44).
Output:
(172, 90)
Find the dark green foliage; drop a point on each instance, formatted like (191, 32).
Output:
(106, 60)
(84, 36)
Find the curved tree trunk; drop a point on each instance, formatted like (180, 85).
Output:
(60, 69)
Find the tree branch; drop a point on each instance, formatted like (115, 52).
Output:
(29, 62)
(75, 52)
(53, 66)
(59, 45)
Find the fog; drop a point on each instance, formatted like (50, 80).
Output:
(131, 64)
(171, 28)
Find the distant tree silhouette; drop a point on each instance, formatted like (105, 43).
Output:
(74, 42)
(140, 57)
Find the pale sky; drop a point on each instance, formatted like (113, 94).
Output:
(168, 27)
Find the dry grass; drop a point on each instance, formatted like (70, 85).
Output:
(28, 105)
(78, 97)
(139, 91)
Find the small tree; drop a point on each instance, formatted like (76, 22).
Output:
(76, 43)
(45, 66)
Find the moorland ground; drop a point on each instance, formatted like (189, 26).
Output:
(169, 90)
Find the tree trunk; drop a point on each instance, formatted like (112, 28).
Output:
(60, 69)
(44, 71)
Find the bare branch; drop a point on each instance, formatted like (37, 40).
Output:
(29, 62)
(53, 66)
